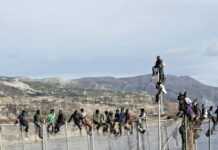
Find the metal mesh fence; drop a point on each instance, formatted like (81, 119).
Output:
(69, 139)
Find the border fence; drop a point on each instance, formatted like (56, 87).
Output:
(69, 138)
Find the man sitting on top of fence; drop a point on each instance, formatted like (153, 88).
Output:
(97, 119)
(85, 122)
(60, 121)
(77, 119)
(141, 121)
(37, 121)
(51, 121)
(23, 122)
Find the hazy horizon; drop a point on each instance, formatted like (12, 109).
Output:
(73, 77)
(116, 37)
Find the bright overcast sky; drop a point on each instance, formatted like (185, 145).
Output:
(75, 38)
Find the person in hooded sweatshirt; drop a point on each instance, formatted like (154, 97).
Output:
(97, 119)
(23, 121)
(77, 119)
(158, 68)
(141, 121)
(182, 105)
(60, 121)
(51, 121)
(211, 118)
(37, 121)
(189, 108)
(122, 117)
(216, 112)
(204, 114)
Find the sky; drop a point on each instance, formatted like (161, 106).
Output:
(71, 38)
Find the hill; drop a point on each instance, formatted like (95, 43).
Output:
(58, 87)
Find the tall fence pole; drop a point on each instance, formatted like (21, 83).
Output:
(92, 139)
(44, 136)
(186, 132)
(196, 145)
(148, 136)
(88, 142)
(209, 139)
(159, 124)
(129, 144)
(143, 141)
(137, 138)
(22, 138)
(1, 141)
(66, 134)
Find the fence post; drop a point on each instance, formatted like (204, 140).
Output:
(88, 142)
(92, 140)
(22, 138)
(109, 142)
(1, 141)
(67, 139)
(209, 139)
(159, 124)
(186, 133)
(137, 138)
(148, 138)
(143, 141)
(196, 145)
(44, 138)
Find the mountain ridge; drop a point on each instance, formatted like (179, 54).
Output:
(61, 87)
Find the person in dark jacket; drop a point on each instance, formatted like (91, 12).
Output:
(37, 121)
(23, 121)
(122, 117)
(203, 112)
(216, 112)
(77, 119)
(158, 69)
(60, 121)
(97, 119)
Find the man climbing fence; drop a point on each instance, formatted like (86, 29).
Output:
(158, 69)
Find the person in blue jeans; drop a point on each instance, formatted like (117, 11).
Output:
(122, 119)
(23, 122)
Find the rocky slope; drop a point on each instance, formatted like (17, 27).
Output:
(62, 88)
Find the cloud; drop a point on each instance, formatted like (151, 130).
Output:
(212, 49)
(178, 51)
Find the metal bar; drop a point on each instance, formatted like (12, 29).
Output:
(137, 138)
(143, 141)
(93, 142)
(209, 142)
(186, 133)
(159, 125)
(1, 141)
(88, 142)
(44, 138)
(148, 136)
(22, 138)
(196, 145)
(67, 138)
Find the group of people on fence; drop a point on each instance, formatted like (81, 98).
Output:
(193, 117)
(113, 122)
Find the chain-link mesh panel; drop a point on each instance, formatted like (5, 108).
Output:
(68, 138)
(203, 141)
